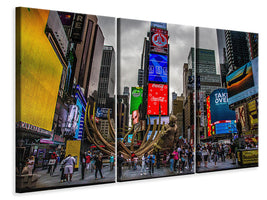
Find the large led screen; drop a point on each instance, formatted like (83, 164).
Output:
(37, 77)
(158, 68)
(243, 82)
(157, 99)
(159, 40)
(219, 108)
(225, 127)
(136, 98)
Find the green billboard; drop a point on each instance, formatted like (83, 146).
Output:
(136, 98)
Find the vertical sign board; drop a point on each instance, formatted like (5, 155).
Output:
(159, 40)
(136, 98)
(208, 116)
(157, 99)
(158, 68)
(73, 147)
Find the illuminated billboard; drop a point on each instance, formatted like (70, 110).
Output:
(219, 108)
(158, 68)
(136, 98)
(208, 116)
(243, 82)
(38, 70)
(225, 127)
(253, 113)
(157, 99)
(159, 40)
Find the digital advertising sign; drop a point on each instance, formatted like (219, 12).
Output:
(157, 99)
(219, 108)
(225, 127)
(158, 68)
(38, 70)
(159, 40)
(243, 82)
(136, 98)
(208, 116)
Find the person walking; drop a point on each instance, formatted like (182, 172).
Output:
(88, 161)
(175, 158)
(171, 162)
(111, 161)
(205, 156)
(144, 159)
(83, 164)
(151, 160)
(98, 166)
(120, 161)
(158, 159)
(69, 164)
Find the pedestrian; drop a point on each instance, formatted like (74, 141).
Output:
(215, 156)
(88, 161)
(132, 162)
(120, 161)
(111, 161)
(99, 166)
(69, 164)
(199, 156)
(164, 160)
(52, 163)
(143, 170)
(190, 159)
(158, 159)
(93, 160)
(135, 160)
(171, 162)
(83, 164)
(205, 156)
(30, 164)
(175, 158)
(151, 160)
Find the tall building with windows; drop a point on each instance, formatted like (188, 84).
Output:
(237, 49)
(89, 54)
(209, 80)
(106, 82)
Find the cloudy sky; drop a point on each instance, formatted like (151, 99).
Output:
(131, 38)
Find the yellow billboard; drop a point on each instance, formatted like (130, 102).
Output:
(73, 147)
(38, 70)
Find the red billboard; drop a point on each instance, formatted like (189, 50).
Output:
(159, 40)
(208, 116)
(157, 99)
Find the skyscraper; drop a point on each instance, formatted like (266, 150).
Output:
(237, 49)
(106, 82)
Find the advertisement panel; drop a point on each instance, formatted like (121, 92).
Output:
(38, 70)
(157, 99)
(165, 119)
(219, 108)
(225, 127)
(208, 116)
(253, 113)
(136, 98)
(103, 112)
(73, 147)
(159, 40)
(243, 82)
(158, 68)
(159, 25)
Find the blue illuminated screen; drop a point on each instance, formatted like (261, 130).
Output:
(158, 68)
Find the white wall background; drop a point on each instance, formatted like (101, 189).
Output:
(242, 15)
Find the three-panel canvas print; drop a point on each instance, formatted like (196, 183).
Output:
(105, 100)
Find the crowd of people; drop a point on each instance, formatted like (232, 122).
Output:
(90, 162)
(178, 160)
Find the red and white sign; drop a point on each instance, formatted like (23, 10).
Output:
(159, 40)
(157, 99)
